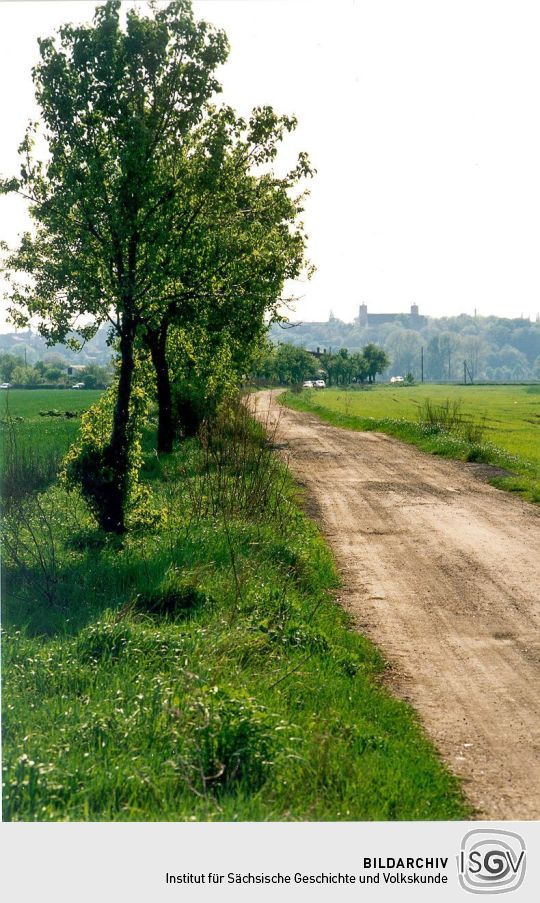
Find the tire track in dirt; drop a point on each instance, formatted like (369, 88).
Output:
(442, 572)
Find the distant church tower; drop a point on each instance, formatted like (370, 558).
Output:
(362, 320)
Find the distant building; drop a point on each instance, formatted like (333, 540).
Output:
(414, 318)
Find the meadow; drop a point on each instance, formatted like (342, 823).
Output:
(38, 426)
(199, 668)
(498, 425)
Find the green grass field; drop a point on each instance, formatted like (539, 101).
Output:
(508, 418)
(39, 442)
(28, 403)
(199, 669)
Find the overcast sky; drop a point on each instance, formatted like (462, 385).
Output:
(422, 118)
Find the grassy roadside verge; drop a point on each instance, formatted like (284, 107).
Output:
(200, 669)
(524, 478)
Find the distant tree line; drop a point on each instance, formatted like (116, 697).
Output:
(53, 372)
(289, 365)
(494, 348)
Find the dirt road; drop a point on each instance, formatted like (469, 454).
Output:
(442, 571)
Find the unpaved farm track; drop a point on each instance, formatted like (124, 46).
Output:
(442, 572)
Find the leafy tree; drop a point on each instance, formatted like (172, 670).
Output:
(403, 346)
(23, 376)
(240, 240)
(8, 362)
(360, 367)
(449, 345)
(435, 358)
(116, 106)
(53, 374)
(288, 365)
(377, 361)
(96, 377)
(475, 352)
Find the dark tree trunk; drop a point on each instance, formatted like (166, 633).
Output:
(190, 414)
(157, 342)
(116, 454)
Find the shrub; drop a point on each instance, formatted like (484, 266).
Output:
(31, 539)
(88, 467)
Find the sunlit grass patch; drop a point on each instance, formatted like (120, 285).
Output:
(201, 669)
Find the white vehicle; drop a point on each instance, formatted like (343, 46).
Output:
(396, 379)
(5, 385)
(78, 386)
(307, 384)
(319, 384)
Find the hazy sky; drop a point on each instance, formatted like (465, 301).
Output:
(421, 117)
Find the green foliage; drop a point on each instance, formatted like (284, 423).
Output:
(118, 104)
(293, 365)
(88, 467)
(494, 348)
(377, 360)
(243, 240)
(204, 375)
(290, 365)
(8, 363)
(111, 712)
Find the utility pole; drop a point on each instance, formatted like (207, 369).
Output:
(422, 363)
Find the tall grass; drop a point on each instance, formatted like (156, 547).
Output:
(201, 669)
(449, 417)
(27, 466)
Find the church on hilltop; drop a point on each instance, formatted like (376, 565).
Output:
(413, 319)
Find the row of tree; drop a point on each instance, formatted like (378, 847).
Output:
(51, 373)
(494, 348)
(290, 365)
(155, 211)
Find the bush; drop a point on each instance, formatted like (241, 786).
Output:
(89, 468)
(31, 539)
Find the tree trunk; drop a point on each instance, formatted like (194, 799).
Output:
(116, 454)
(157, 342)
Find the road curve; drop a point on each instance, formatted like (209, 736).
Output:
(442, 572)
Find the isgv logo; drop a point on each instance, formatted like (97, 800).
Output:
(491, 862)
